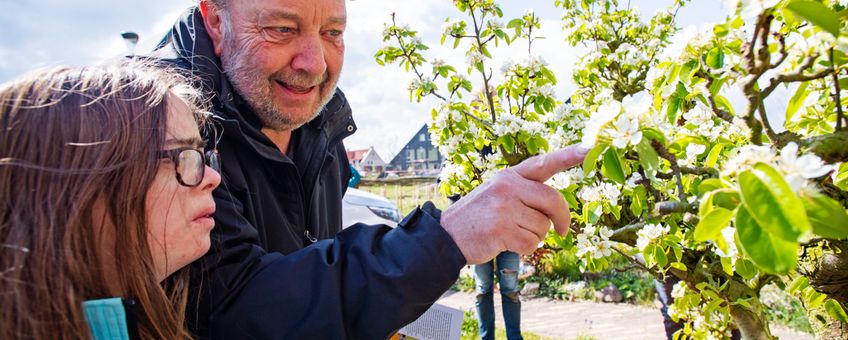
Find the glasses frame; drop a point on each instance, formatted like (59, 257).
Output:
(209, 158)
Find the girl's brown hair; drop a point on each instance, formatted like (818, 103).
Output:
(73, 139)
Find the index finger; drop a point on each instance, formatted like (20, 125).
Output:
(542, 167)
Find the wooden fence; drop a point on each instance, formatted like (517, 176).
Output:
(406, 192)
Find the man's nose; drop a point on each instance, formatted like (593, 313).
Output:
(310, 56)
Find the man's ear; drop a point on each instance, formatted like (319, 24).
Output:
(212, 20)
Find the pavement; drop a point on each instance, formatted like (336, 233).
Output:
(569, 320)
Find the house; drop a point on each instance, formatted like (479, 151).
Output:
(419, 156)
(366, 161)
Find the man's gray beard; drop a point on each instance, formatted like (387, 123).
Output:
(257, 91)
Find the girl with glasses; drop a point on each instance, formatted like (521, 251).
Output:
(105, 197)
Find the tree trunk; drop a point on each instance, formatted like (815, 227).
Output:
(753, 326)
(826, 265)
(825, 327)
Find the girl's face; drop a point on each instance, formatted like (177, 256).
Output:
(179, 217)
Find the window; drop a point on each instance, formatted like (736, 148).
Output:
(422, 137)
(410, 154)
(422, 153)
(434, 155)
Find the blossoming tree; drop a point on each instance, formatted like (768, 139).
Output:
(688, 176)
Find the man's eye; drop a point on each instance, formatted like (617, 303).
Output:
(282, 29)
(335, 33)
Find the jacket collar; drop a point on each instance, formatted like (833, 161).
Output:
(189, 46)
(108, 319)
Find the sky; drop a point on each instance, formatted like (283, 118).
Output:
(82, 32)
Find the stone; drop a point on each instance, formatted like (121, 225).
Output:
(611, 294)
(530, 289)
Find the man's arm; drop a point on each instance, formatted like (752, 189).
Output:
(371, 280)
(365, 284)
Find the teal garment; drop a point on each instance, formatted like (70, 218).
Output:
(107, 319)
(354, 177)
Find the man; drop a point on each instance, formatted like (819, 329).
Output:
(272, 68)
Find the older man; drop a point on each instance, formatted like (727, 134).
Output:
(278, 268)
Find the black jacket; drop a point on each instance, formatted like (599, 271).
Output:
(257, 280)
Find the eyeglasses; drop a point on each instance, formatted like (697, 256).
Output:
(191, 164)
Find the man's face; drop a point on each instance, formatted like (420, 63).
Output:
(283, 56)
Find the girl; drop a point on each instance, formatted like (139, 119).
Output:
(105, 197)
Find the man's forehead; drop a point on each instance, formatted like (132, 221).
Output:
(329, 11)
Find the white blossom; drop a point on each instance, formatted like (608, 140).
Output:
(749, 9)
(495, 25)
(693, 150)
(797, 170)
(508, 124)
(437, 62)
(601, 192)
(474, 57)
(597, 246)
(565, 179)
(728, 233)
(649, 233)
(747, 156)
(452, 171)
(633, 181)
(451, 26)
(508, 67)
(604, 114)
(679, 290)
(626, 132)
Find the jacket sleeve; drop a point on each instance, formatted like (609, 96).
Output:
(366, 283)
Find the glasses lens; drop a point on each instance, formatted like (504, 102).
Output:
(191, 167)
(213, 160)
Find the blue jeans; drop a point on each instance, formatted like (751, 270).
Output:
(507, 263)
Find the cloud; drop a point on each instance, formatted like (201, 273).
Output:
(50, 32)
(82, 32)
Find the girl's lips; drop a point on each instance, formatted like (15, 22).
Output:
(205, 213)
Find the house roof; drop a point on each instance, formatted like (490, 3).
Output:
(356, 155)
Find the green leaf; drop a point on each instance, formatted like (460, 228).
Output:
(712, 158)
(817, 14)
(835, 310)
(648, 253)
(660, 257)
(711, 225)
(814, 298)
(591, 160)
(711, 184)
(727, 265)
(648, 157)
(772, 203)
(678, 266)
(842, 177)
(798, 284)
(638, 203)
(612, 167)
(727, 198)
(745, 269)
(715, 58)
(770, 253)
(827, 217)
(797, 100)
(592, 212)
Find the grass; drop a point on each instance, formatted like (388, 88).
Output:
(471, 332)
(407, 195)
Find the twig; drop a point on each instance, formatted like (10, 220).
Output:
(724, 115)
(692, 170)
(480, 46)
(840, 116)
(675, 169)
(647, 184)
